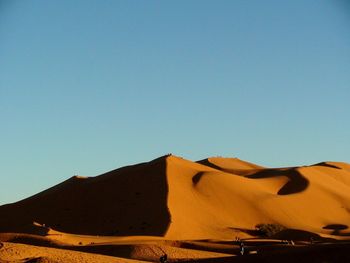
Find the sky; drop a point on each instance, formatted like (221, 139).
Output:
(90, 86)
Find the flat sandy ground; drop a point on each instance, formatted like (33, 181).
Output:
(201, 211)
(20, 248)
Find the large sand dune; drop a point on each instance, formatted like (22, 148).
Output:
(171, 198)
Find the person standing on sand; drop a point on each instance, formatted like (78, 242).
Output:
(241, 246)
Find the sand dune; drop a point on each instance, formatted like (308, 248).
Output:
(140, 207)
(27, 253)
(126, 201)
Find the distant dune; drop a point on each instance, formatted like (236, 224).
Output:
(171, 198)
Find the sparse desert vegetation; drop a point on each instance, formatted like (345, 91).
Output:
(269, 230)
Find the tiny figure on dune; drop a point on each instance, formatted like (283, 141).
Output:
(312, 240)
(163, 259)
(241, 247)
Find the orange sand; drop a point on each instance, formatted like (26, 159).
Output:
(167, 205)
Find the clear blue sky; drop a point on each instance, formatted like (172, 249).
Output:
(89, 86)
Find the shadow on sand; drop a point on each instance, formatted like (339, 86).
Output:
(125, 202)
(326, 165)
(297, 182)
(337, 229)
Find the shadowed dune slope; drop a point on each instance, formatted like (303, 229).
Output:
(126, 201)
(180, 199)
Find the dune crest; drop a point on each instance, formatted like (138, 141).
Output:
(186, 210)
(175, 198)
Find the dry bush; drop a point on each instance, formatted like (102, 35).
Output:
(269, 230)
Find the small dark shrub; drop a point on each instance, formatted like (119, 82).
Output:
(269, 230)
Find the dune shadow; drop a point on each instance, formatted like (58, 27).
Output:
(33, 260)
(239, 172)
(124, 202)
(299, 235)
(297, 182)
(209, 164)
(326, 165)
(197, 177)
(284, 234)
(336, 229)
(252, 232)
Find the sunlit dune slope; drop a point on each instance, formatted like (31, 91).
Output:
(180, 199)
(27, 253)
(215, 202)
